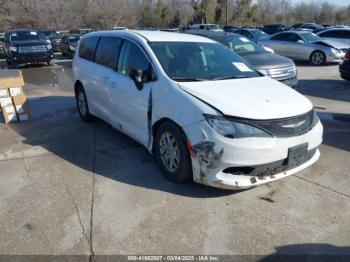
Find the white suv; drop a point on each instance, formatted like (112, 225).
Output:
(197, 106)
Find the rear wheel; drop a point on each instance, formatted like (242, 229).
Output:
(172, 153)
(82, 105)
(318, 58)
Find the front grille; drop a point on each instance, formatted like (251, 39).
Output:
(282, 72)
(32, 49)
(284, 127)
(269, 169)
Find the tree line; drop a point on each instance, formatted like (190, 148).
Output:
(98, 14)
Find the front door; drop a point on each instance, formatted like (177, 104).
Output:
(129, 105)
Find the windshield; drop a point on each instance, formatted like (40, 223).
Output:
(310, 37)
(240, 44)
(24, 35)
(51, 34)
(200, 61)
(213, 27)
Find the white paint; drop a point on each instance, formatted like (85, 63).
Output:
(114, 97)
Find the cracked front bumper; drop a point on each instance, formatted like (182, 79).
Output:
(212, 155)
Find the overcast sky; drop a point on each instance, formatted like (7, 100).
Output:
(338, 2)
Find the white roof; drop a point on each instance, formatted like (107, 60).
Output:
(160, 36)
(155, 36)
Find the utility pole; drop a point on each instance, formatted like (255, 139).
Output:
(226, 11)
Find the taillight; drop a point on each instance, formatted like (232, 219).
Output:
(347, 56)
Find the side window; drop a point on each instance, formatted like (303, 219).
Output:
(293, 38)
(280, 37)
(131, 57)
(107, 51)
(87, 48)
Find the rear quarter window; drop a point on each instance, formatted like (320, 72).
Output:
(87, 48)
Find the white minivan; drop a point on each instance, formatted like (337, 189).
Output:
(204, 112)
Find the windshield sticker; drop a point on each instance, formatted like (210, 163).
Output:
(242, 67)
(244, 39)
(33, 33)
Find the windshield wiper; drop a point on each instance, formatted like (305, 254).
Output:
(230, 77)
(188, 79)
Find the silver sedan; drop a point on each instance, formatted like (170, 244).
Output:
(301, 45)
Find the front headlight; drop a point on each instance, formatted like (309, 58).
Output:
(268, 49)
(13, 48)
(265, 72)
(334, 51)
(232, 129)
(72, 48)
(49, 47)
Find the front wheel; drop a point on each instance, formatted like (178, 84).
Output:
(172, 153)
(82, 105)
(318, 58)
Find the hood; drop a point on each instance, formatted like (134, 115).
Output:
(331, 43)
(29, 43)
(253, 98)
(267, 60)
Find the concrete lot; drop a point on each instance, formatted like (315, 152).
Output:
(68, 187)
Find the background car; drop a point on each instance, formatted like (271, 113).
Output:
(312, 26)
(54, 37)
(2, 42)
(272, 29)
(24, 46)
(230, 28)
(253, 34)
(80, 31)
(301, 45)
(344, 67)
(69, 44)
(209, 27)
(277, 67)
(336, 34)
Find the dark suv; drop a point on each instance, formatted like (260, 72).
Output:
(53, 37)
(272, 29)
(25, 46)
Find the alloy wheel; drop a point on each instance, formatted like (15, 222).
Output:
(317, 58)
(169, 152)
(82, 103)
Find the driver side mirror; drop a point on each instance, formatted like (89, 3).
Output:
(136, 75)
(300, 42)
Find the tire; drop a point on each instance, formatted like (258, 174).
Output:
(48, 63)
(345, 77)
(318, 58)
(182, 168)
(82, 105)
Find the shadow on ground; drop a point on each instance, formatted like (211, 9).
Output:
(336, 130)
(325, 88)
(313, 252)
(56, 127)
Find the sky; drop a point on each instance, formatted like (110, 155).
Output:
(337, 2)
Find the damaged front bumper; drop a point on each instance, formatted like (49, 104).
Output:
(247, 162)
